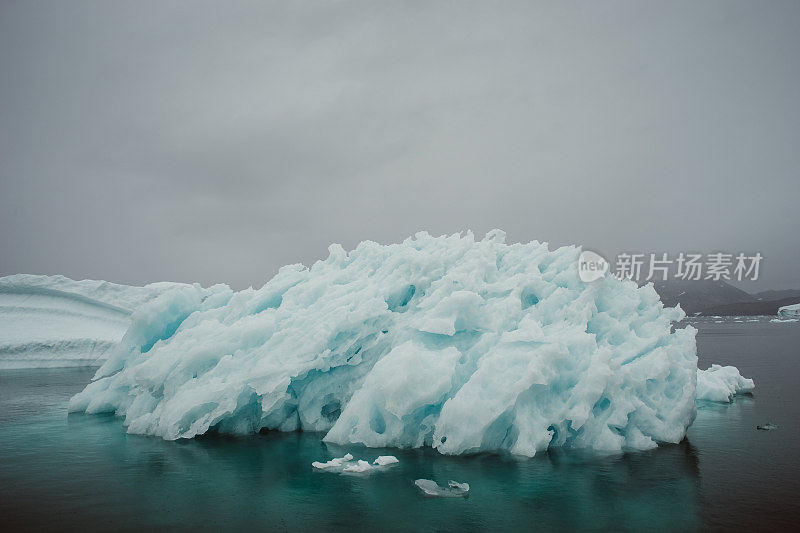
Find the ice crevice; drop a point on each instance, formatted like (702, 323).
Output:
(460, 344)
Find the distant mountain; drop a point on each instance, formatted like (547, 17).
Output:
(768, 296)
(709, 298)
(749, 308)
(696, 296)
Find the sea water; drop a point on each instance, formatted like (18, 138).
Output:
(60, 471)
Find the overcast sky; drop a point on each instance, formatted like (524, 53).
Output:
(217, 141)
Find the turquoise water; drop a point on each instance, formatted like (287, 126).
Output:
(60, 471)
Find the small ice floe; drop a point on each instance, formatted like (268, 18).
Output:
(359, 467)
(769, 426)
(454, 489)
(348, 465)
(782, 320)
(336, 464)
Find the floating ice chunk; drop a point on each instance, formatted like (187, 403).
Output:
(783, 320)
(769, 426)
(721, 383)
(427, 486)
(454, 489)
(358, 467)
(464, 487)
(348, 465)
(337, 463)
(448, 342)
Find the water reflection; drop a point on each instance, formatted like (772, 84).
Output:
(266, 481)
(66, 472)
(88, 471)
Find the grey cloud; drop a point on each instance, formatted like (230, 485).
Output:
(216, 142)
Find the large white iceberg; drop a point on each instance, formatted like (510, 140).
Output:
(789, 311)
(53, 321)
(448, 342)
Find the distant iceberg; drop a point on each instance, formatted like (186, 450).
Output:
(53, 321)
(789, 311)
(448, 342)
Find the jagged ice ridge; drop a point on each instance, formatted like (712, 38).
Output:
(448, 342)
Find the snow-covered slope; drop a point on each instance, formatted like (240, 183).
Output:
(53, 321)
(448, 342)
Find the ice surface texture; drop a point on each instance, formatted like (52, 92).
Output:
(449, 342)
(53, 321)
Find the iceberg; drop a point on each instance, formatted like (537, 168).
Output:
(789, 311)
(721, 383)
(53, 321)
(459, 344)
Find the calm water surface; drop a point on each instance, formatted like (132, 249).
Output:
(60, 471)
